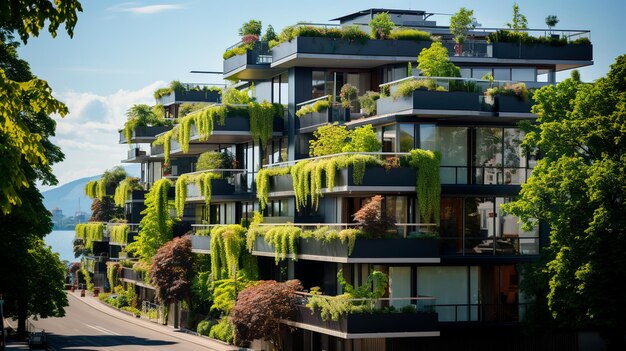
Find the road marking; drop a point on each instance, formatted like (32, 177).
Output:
(101, 329)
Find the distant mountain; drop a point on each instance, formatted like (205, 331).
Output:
(66, 196)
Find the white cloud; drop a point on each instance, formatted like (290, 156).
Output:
(89, 136)
(134, 7)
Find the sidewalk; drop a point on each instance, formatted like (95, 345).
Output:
(211, 344)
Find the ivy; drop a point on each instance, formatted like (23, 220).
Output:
(165, 139)
(113, 269)
(428, 185)
(262, 183)
(181, 193)
(119, 234)
(86, 276)
(90, 232)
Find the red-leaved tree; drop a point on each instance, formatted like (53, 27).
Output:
(261, 307)
(171, 271)
(372, 218)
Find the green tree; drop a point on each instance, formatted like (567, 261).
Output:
(381, 26)
(551, 21)
(461, 23)
(434, 62)
(518, 21)
(362, 139)
(252, 27)
(28, 17)
(578, 188)
(329, 139)
(270, 34)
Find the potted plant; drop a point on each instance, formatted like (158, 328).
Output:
(460, 24)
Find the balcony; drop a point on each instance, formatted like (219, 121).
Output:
(486, 175)
(421, 321)
(254, 64)
(136, 155)
(512, 106)
(310, 121)
(143, 134)
(484, 313)
(191, 92)
(232, 185)
(136, 277)
(332, 52)
(392, 250)
(201, 244)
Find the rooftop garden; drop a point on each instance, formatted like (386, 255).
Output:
(250, 33)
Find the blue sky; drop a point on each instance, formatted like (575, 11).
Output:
(122, 51)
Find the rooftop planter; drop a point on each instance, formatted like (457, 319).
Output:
(190, 93)
(143, 134)
(355, 325)
(335, 46)
(320, 111)
(257, 56)
(512, 104)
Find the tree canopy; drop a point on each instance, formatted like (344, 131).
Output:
(261, 307)
(172, 271)
(578, 188)
(434, 62)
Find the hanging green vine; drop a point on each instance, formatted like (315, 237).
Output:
(262, 120)
(284, 238)
(203, 180)
(181, 193)
(119, 233)
(91, 189)
(124, 188)
(226, 244)
(155, 228)
(112, 274)
(262, 183)
(308, 175)
(428, 185)
(90, 232)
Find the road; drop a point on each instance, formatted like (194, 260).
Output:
(85, 328)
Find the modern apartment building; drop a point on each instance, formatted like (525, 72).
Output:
(463, 282)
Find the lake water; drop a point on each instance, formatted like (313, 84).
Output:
(61, 242)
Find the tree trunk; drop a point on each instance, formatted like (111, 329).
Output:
(21, 319)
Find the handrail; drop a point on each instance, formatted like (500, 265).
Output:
(325, 97)
(341, 224)
(306, 294)
(287, 163)
(216, 170)
(450, 78)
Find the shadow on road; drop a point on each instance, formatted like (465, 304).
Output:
(98, 342)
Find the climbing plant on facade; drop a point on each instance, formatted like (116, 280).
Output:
(124, 188)
(155, 228)
(90, 232)
(203, 181)
(119, 233)
(428, 185)
(226, 246)
(262, 182)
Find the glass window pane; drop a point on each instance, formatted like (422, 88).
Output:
(452, 143)
(502, 73)
(450, 286)
(479, 73)
(407, 137)
(389, 138)
(514, 157)
(479, 225)
(488, 157)
(523, 74)
(319, 84)
(510, 230)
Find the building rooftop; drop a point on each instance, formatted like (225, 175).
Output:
(372, 12)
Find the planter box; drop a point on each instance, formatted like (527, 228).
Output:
(363, 248)
(373, 176)
(578, 52)
(371, 323)
(181, 96)
(335, 114)
(143, 134)
(218, 187)
(201, 243)
(332, 46)
(512, 104)
(232, 123)
(431, 100)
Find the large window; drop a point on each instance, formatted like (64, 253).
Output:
(407, 137)
(478, 226)
(499, 157)
(451, 142)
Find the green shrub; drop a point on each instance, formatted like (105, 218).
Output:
(407, 87)
(581, 41)
(410, 34)
(517, 89)
(423, 235)
(409, 309)
(252, 27)
(223, 331)
(132, 310)
(348, 95)
(435, 62)
(353, 33)
(368, 102)
(381, 26)
(214, 160)
(317, 106)
(239, 50)
(103, 296)
(204, 327)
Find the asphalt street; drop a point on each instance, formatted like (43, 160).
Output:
(87, 328)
